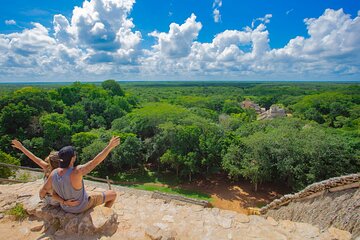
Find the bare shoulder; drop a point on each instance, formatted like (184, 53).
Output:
(77, 170)
(52, 173)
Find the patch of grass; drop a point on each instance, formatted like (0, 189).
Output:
(25, 176)
(18, 211)
(146, 176)
(148, 180)
(174, 190)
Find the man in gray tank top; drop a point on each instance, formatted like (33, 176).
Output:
(67, 180)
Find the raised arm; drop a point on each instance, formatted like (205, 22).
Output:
(41, 163)
(89, 166)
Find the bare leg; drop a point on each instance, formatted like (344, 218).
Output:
(110, 197)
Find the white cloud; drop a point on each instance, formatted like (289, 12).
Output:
(99, 42)
(265, 19)
(217, 3)
(216, 12)
(177, 42)
(100, 26)
(289, 11)
(10, 22)
(331, 50)
(98, 33)
(217, 16)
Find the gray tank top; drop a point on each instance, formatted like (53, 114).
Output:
(63, 187)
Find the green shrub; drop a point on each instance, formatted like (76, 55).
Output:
(18, 211)
(6, 172)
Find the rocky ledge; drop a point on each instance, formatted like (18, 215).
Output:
(136, 215)
(335, 184)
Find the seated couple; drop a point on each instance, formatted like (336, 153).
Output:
(65, 182)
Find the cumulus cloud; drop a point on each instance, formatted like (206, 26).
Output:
(177, 42)
(10, 22)
(333, 45)
(231, 50)
(99, 42)
(99, 33)
(332, 49)
(100, 26)
(216, 12)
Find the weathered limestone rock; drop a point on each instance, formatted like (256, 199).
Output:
(97, 220)
(168, 218)
(335, 184)
(37, 226)
(224, 222)
(103, 219)
(143, 217)
(168, 235)
(153, 232)
(339, 234)
(333, 209)
(272, 221)
(242, 218)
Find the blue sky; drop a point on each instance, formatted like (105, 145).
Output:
(179, 40)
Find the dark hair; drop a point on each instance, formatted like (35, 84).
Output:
(65, 155)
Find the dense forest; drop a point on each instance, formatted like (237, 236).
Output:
(192, 129)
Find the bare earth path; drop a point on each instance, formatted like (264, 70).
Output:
(235, 196)
(141, 217)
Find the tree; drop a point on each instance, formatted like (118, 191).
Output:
(6, 172)
(231, 161)
(291, 150)
(70, 94)
(15, 117)
(83, 139)
(231, 106)
(129, 153)
(37, 146)
(145, 121)
(251, 169)
(113, 88)
(76, 113)
(97, 121)
(57, 131)
(170, 158)
(314, 115)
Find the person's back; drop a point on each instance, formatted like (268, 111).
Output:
(62, 185)
(68, 183)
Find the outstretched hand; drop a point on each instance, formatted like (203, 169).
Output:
(16, 144)
(114, 141)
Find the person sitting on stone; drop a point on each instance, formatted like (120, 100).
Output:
(50, 163)
(67, 180)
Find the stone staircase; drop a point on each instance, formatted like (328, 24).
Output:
(139, 216)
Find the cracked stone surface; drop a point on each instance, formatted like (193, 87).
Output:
(141, 217)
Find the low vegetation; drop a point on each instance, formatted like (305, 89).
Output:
(18, 212)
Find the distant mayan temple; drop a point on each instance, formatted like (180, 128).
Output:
(273, 112)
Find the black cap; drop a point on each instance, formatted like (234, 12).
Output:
(65, 155)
